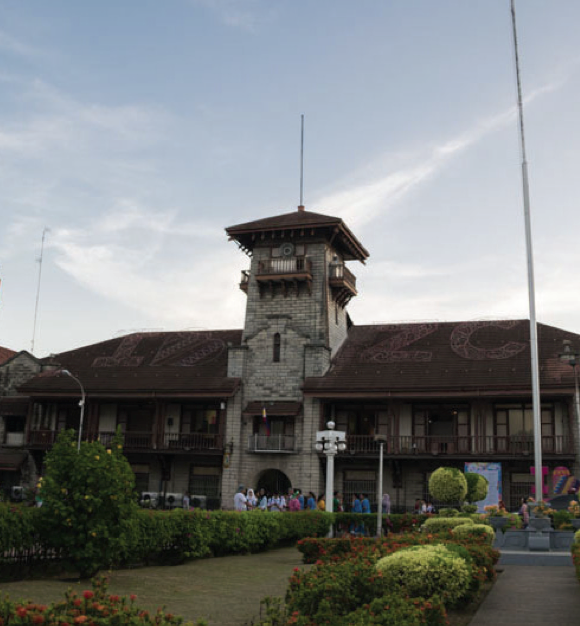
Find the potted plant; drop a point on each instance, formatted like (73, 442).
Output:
(496, 516)
(539, 515)
(574, 510)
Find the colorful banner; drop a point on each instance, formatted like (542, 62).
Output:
(491, 471)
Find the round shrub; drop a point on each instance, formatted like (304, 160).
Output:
(448, 512)
(477, 486)
(466, 531)
(577, 536)
(438, 524)
(470, 509)
(424, 571)
(448, 484)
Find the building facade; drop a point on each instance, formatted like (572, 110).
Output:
(205, 412)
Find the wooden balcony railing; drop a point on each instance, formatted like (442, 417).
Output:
(340, 275)
(285, 267)
(193, 441)
(342, 282)
(41, 438)
(244, 281)
(459, 446)
(133, 440)
(271, 443)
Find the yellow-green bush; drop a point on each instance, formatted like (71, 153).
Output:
(465, 531)
(425, 571)
(448, 484)
(438, 524)
(577, 536)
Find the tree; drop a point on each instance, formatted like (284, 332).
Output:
(88, 502)
(448, 485)
(477, 486)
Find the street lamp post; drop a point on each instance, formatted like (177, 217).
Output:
(572, 358)
(330, 442)
(381, 440)
(81, 404)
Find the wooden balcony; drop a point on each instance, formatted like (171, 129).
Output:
(342, 283)
(486, 446)
(133, 440)
(41, 438)
(288, 272)
(193, 441)
(244, 281)
(284, 444)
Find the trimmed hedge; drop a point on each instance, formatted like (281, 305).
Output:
(430, 570)
(395, 522)
(466, 531)
(440, 524)
(160, 536)
(576, 553)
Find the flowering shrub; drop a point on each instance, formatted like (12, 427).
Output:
(574, 508)
(88, 502)
(96, 607)
(493, 510)
(540, 508)
(425, 571)
(467, 531)
(438, 524)
(448, 484)
(392, 610)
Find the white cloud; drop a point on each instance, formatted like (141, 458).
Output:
(362, 203)
(15, 46)
(247, 15)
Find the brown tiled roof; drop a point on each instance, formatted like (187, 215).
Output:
(245, 233)
(5, 354)
(486, 356)
(158, 363)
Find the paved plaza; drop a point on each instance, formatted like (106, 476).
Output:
(532, 594)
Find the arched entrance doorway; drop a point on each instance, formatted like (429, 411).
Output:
(274, 481)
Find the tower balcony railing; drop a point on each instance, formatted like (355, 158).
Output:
(487, 445)
(298, 265)
(342, 282)
(272, 443)
(245, 280)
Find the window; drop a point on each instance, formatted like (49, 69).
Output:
(204, 481)
(277, 343)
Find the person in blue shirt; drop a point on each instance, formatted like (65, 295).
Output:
(311, 502)
(356, 507)
(300, 499)
(365, 504)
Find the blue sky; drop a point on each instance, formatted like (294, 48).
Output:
(138, 130)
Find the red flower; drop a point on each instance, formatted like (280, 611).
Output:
(21, 612)
(81, 619)
(77, 602)
(133, 597)
(38, 619)
(88, 594)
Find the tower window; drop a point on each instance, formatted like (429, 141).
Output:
(277, 344)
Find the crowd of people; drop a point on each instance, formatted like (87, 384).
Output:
(295, 500)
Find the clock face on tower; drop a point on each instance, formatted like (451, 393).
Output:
(287, 249)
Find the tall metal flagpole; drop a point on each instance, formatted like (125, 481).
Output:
(44, 231)
(531, 288)
(301, 207)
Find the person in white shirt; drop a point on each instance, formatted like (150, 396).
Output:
(252, 500)
(240, 500)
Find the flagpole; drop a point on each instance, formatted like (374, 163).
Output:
(531, 286)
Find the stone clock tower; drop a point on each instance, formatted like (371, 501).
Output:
(298, 286)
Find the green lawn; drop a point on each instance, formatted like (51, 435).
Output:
(226, 591)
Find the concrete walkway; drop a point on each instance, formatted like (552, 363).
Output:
(529, 595)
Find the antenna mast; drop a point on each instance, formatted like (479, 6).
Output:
(39, 261)
(301, 206)
(531, 289)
